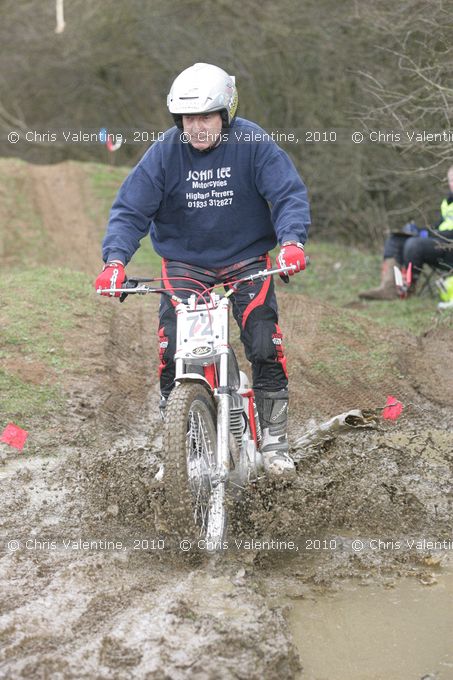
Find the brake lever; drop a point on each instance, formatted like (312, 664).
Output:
(284, 277)
(128, 283)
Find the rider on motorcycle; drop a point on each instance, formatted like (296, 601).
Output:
(216, 194)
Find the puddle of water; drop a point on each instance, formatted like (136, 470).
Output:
(402, 633)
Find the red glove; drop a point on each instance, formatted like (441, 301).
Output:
(112, 276)
(291, 253)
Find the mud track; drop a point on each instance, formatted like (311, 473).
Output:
(71, 612)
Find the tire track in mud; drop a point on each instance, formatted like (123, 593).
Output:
(104, 616)
(78, 614)
(61, 200)
(430, 368)
(133, 615)
(72, 613)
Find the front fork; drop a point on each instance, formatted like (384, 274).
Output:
(223, 419)
(223, 433)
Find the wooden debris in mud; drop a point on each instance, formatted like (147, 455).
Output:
(354, 419)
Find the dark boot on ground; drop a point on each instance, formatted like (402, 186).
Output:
(273, 414)
(387, 290)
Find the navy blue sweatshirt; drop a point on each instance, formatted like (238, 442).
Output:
(210, 208)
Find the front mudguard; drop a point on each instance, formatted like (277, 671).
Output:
(194, 377)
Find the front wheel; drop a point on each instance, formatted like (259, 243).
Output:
(195, 495)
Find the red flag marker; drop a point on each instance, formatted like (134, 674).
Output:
(409, 274)
(393, 409)
(111, 146)
(14, 436)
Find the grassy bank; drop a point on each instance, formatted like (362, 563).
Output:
(336, 274)
(40, 313)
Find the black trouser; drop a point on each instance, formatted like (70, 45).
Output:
(433, 250)
(254, 308)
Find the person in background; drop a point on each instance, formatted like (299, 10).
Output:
(418, 246)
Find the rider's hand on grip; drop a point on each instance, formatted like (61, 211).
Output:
(112, 276)
(291, 255)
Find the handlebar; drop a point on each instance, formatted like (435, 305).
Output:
(132, 285)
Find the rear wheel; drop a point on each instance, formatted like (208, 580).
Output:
(195, 495)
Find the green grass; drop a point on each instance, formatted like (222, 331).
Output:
(105, 182)
(145, 260)
(40, 307)
(336, 274)
(22, 401)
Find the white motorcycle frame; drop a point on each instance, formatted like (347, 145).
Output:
(202, 339)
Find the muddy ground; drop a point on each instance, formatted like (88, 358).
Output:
(73, 612)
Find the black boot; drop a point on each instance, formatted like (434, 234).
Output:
(273, 414)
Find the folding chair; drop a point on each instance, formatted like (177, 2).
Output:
(429, 277)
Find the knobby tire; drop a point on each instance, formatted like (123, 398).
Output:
(196, 502)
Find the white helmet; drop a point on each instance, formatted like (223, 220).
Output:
(203, 88)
